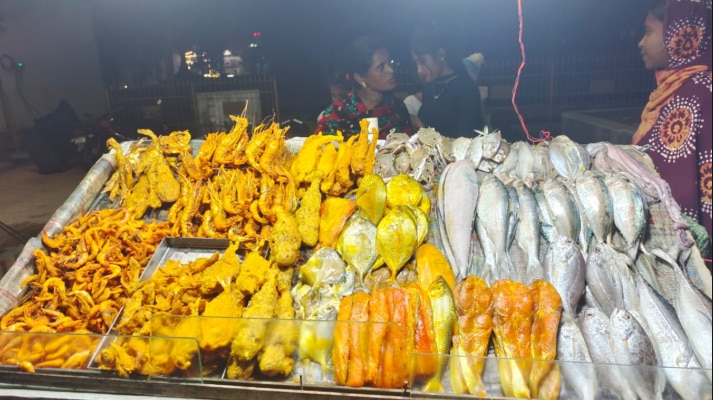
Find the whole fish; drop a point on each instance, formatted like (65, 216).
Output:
(357, 245)
(547, 225)
(633, 348)
(458, 210)
(542, 168)
(527, 232)
(602, 277)
(565, 268)
(629, 211)
(568, 157)
(672, 345)
(597, 334)
(576, 363)
(493, 216)
(444, 318)
(595, 205)
(563, 209)
(525, 162)
(694, 312)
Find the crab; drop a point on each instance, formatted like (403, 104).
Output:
(422, 156)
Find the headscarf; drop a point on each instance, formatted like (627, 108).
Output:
(687, 38)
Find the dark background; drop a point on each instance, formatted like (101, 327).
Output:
(302, 38)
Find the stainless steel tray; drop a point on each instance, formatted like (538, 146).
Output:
(183, 250)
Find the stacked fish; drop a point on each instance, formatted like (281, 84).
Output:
(579, 218)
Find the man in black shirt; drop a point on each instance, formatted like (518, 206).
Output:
(451, 100)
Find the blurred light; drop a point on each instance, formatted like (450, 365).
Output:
(227, 53)
(256, 34)
(253, 45)
(230, 76)
(126, 86)
(20, 64)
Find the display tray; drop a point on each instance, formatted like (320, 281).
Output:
(578, 380)
(183, 250)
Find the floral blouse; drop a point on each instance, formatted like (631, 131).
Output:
(344, 115)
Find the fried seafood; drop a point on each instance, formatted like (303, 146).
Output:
(81, 282)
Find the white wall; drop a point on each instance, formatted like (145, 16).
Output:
(55, 40)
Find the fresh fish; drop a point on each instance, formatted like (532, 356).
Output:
(492, 141)
(629, 211)
(475, 151)
(633, 348)
(441, 220)
(444, 318)
(513, 211)
(525, 162)
(565, 268)
(547, 227)
(597, 334)
(602, 277)
(458, 208)
(542, 168)
(460, 148)
(595, 205)
(563, 209)
(591, 301)
(576, 363)
(506, 170)
(568, 157)
(488, 271)
(527, 232)
(611, 158)
(672, 346)
(493, 216)
(694, 311)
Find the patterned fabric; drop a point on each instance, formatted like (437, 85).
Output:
(677, 121)
(344, 115)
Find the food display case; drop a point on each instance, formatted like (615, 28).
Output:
(280, 270)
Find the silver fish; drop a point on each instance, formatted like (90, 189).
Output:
(563, 209)
(633, 348)
(547, 227)
(525, 162)
(602, 277)
(672, 346)
(595, 204)
(597, 334)
(493, 216)
(565, 268)
(527, 232)
(694, 312)
(579, 372)
(629, 211)
(568, 157)
(460, 199)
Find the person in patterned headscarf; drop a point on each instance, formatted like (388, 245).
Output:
(676, 122)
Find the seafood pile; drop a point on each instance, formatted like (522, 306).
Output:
(423, 156)
(343, 256)
(195, 300)
(83, 278)
(578, 217)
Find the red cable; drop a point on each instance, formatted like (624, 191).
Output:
(545, 134)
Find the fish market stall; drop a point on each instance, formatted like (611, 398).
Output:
(248, 264)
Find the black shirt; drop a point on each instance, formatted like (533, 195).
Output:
(451, 105)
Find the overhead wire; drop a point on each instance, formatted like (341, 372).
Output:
(545, 134)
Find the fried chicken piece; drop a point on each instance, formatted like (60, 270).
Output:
(251, 333)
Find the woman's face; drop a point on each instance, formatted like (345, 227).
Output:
(428, 66)
(653, 50)
(380, 76)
